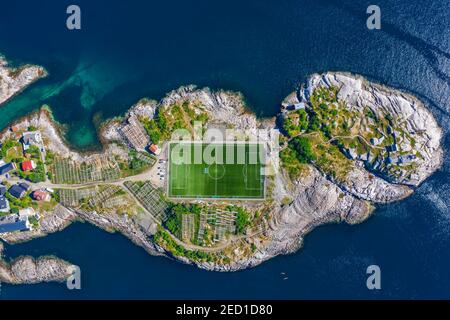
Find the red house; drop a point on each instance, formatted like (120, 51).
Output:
(28, 165)
(155, 149)
(40, 195)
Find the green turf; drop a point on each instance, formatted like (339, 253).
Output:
(227, 180)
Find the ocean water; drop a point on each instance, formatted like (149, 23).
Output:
(264, 49)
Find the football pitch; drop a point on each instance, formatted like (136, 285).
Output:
(197, 177)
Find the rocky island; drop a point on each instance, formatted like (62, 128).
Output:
(14, 80)
(345, 145)
(27, 270)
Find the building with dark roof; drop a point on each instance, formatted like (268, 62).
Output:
(24, 186)
(392, 148)
(2, 190)
(7, 167)
(17, 191)
(12, 223)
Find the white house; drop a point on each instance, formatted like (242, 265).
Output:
(26, 213)
(32, 138)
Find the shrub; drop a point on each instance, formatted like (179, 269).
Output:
(302, 147)
(242, 220)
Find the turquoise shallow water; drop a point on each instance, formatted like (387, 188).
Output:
(264, 49)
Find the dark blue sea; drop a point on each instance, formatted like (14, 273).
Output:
(131, 49)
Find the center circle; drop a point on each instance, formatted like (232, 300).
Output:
(216, 171)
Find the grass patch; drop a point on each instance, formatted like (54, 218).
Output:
(228, 180)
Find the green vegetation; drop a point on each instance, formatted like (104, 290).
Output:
(49, 157)
(235, 180)
(137, 163)
(324, 113)
(295, 122)
(36, 175)
(326, 118)
(303, 149)
(173, 117)
(298, 153)
(324, 95)
(22, 203)
(291, 163)
(34, 152)
(285, 201)
(164, 239)
(173, 222)
(329, 158)
(333, 128)
(34, 222)
(56, 196)
(157, 127)
(11, 149)
(389, 118)
(243, 219)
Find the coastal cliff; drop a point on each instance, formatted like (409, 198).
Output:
(14, 80)
(374, 120)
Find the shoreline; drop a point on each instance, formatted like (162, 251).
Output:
(14, 80)
(287, 225)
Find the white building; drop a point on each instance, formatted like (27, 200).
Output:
(4, 204)
(31, 138)
(299, 106)
(26, 213)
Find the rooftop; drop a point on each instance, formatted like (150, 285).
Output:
(12, 223)
(6, 168)
(28, 165)
(24, 186)
(155, 149)
(17, 191)
(31, 138)
(25, 213)
(4, 204)
(41, 195)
